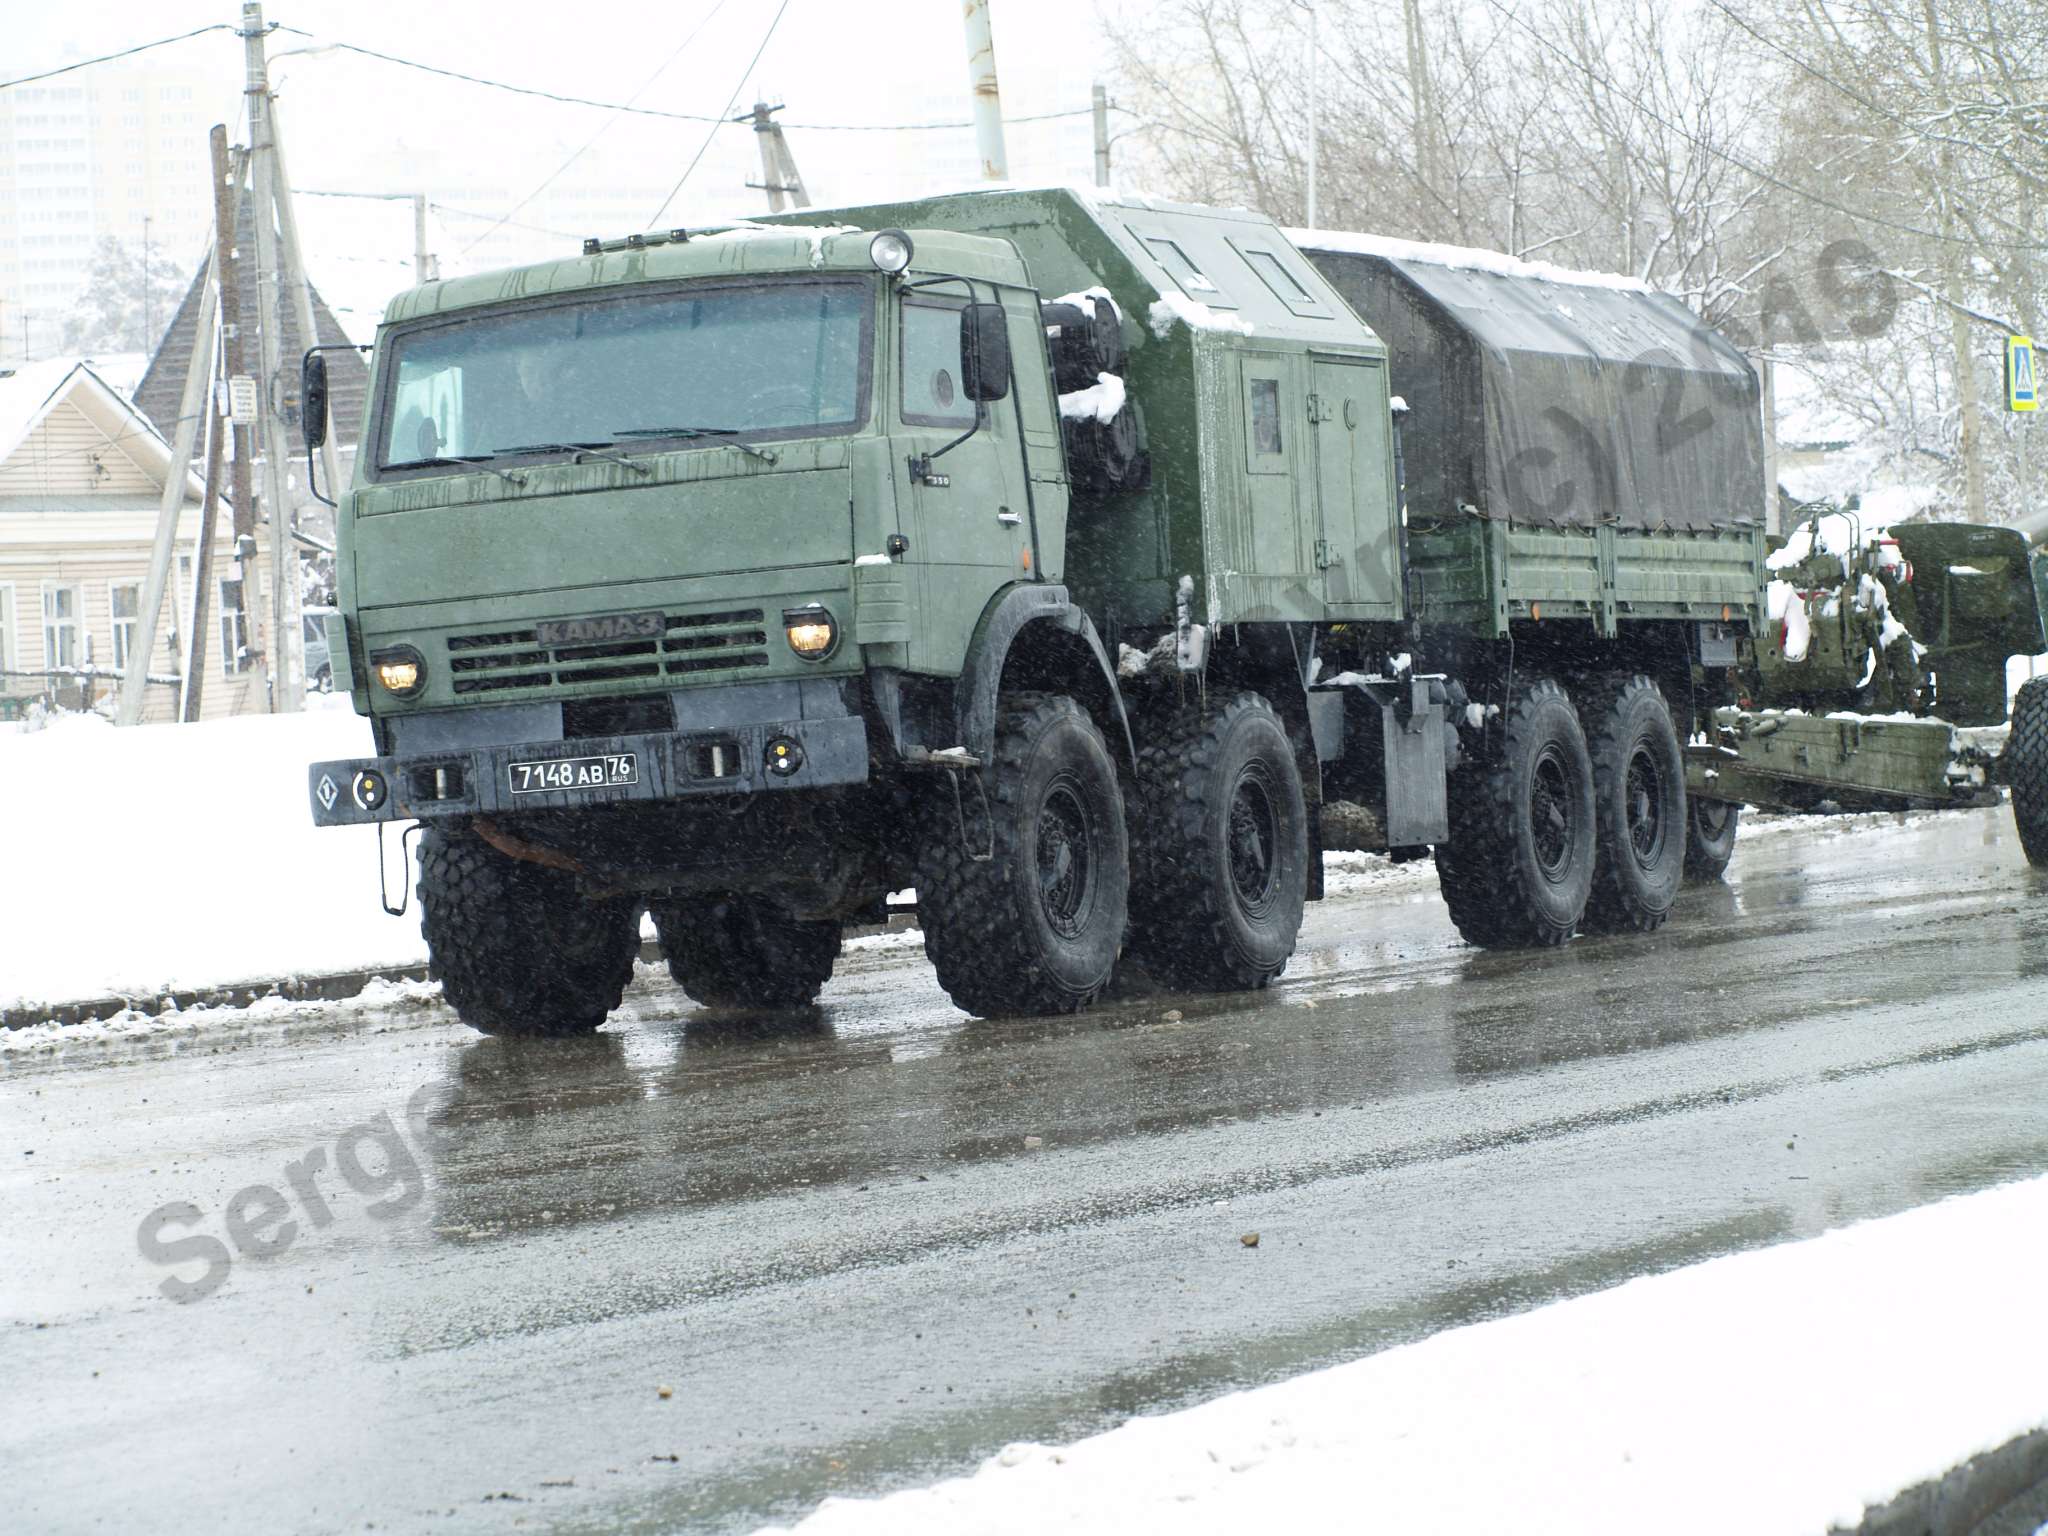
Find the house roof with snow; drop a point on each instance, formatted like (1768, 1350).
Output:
(69, 440)
(163, 385)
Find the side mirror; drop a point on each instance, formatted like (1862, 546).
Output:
(984, 352)
(313, 399)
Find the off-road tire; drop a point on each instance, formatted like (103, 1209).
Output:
(1710, 827)
(1034, 927)
(1518, 868)
(1219, 849)
(741, 952)
(2026, 768)
(516, 948)
(1639, 805)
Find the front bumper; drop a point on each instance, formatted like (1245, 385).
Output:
(678, 765)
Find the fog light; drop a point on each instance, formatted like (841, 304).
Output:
(369, 789)
(400, 670)
(784, 757)
(811, 632)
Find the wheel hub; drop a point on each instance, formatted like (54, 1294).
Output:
(1643, 800)
(1551, 814)
(1251, 840)
(1066, 871)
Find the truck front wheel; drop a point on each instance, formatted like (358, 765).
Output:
(740, 952)
(1221, 849)
(1518, 868)
(518, 950)
(1638, 805)
(1024, 879)
(2026, 768)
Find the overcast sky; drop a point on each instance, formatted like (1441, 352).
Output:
(360, 124)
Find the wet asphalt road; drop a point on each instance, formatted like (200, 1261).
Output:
(869, 1246)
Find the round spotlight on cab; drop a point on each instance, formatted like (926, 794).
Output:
(812, 633)
(401, 670)
(891, 251)
(369, 789)
(784, 756)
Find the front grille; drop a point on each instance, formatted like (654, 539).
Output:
(691, 644)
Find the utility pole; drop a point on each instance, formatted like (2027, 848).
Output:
(284, 693)
(1768, 387)
(988, 100)
(424, 268)
(227, 197)
(1101, 103)
(135, 677)
(780, 178)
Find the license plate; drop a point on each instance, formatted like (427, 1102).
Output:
(559, 773)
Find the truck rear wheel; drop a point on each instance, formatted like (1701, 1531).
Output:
(1709, 836)
(2026, 768)
(1023, 895)
(1639, 816)
(740, 952)
(1220, 849)
(518, 950)
(1518, 868)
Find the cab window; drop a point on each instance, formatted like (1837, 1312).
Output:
(932, 394)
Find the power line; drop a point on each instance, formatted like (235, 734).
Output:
(554, 175)
(492, 218)
(737, 86)
(108, 58)
(681, 117)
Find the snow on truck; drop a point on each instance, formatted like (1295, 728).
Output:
(746, 575)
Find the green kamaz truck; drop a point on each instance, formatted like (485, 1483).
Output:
(1060, 556)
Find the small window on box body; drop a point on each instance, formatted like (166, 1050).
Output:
(1278, 276)
(1266, 416)
(1194, 282)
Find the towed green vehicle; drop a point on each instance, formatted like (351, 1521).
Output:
(1059, 556)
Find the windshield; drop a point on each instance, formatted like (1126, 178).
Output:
(782, 358)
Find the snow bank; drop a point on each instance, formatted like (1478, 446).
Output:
(1781, 1390)
(173, 856)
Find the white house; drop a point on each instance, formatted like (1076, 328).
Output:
(82, 477)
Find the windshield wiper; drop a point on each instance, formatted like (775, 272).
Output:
(464, 460)
(579, 452)
(766, 456)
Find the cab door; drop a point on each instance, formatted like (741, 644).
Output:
(965, 509)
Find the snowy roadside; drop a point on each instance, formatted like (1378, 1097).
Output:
(1782, 1390)
(182, 860)
(173, 858)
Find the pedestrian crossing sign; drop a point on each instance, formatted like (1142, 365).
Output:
(2021, 390)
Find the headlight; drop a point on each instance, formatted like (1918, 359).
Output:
(401, 670)
(890, 251)
(812, 634)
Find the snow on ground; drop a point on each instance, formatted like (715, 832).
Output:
(1781, 1390)
(185, 856)
(385, 996)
